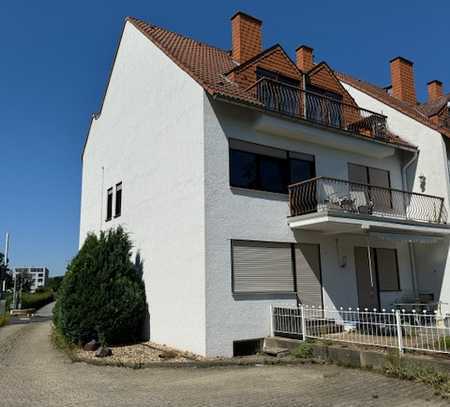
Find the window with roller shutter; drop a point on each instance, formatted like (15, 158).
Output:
(262, 267)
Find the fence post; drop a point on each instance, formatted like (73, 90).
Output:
(399, 331)
(302, 316)
(272, 333)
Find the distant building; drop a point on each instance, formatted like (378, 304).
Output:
(39, 276)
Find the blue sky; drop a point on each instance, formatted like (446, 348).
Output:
(56, 57)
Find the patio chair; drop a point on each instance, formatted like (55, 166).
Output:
(362, 201)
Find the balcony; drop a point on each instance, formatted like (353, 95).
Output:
(341, 199)
(295, 102)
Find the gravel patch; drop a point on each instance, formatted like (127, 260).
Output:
(140, 354)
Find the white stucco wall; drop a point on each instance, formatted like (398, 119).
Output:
(432, 261)
(167, 142)
(432, 160)
(151, 139)
(239, 214)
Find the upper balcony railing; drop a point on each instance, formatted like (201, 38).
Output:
(323, 193)
(293, 101)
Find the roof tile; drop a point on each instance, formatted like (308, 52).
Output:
(418, 112)
(206, 64)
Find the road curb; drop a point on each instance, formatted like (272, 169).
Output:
(244, 362)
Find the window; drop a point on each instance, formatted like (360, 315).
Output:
(280, 94)
(257, 167)
(109, 203)
(262, 267)
(272, 174)
(370, 176)
(302, 167)
(243, 169)
(381, 197)
(118, 207)
(324, 106)
(387, 269)
(265, 73)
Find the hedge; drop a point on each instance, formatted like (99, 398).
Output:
(38, 299)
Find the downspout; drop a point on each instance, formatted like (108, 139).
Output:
(412, 259)
(304, 95)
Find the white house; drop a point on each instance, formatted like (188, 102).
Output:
(246, 180)
(426, 125)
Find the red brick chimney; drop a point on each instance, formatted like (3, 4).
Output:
(434, 90)
(402, 80)
(246, 37)
(304, 58)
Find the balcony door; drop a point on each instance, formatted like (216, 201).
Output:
(366, 278)
(323, 106)
(371, 191)
(382, 276)
(279, 92)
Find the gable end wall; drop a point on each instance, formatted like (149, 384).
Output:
(151, 140)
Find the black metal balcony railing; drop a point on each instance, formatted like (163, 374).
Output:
(293, 101)
(323, 193)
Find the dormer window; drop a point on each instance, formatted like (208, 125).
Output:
(265, 73)
(324, 106)
(278, 92)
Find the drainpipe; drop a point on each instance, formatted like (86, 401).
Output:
(304, 95)
(410, 245)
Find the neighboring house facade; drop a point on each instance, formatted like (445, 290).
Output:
(38, 276)
(245, 180)
(426, 125)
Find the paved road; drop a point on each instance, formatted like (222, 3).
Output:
(32, 373)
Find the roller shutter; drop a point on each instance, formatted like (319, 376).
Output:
(309, 281)
(262, 267)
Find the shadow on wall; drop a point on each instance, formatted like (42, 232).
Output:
(139, 267)
(330, 269)
(431, 261)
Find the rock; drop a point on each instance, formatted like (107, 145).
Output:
(168, 354)
(103, 352)
(91, 346)
(274, 351)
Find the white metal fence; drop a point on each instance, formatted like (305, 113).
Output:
(419, 331)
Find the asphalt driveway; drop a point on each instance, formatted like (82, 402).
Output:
(33, 373)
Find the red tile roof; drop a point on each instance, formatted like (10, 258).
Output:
(416, 112)
(434, 107)
(207, 65)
